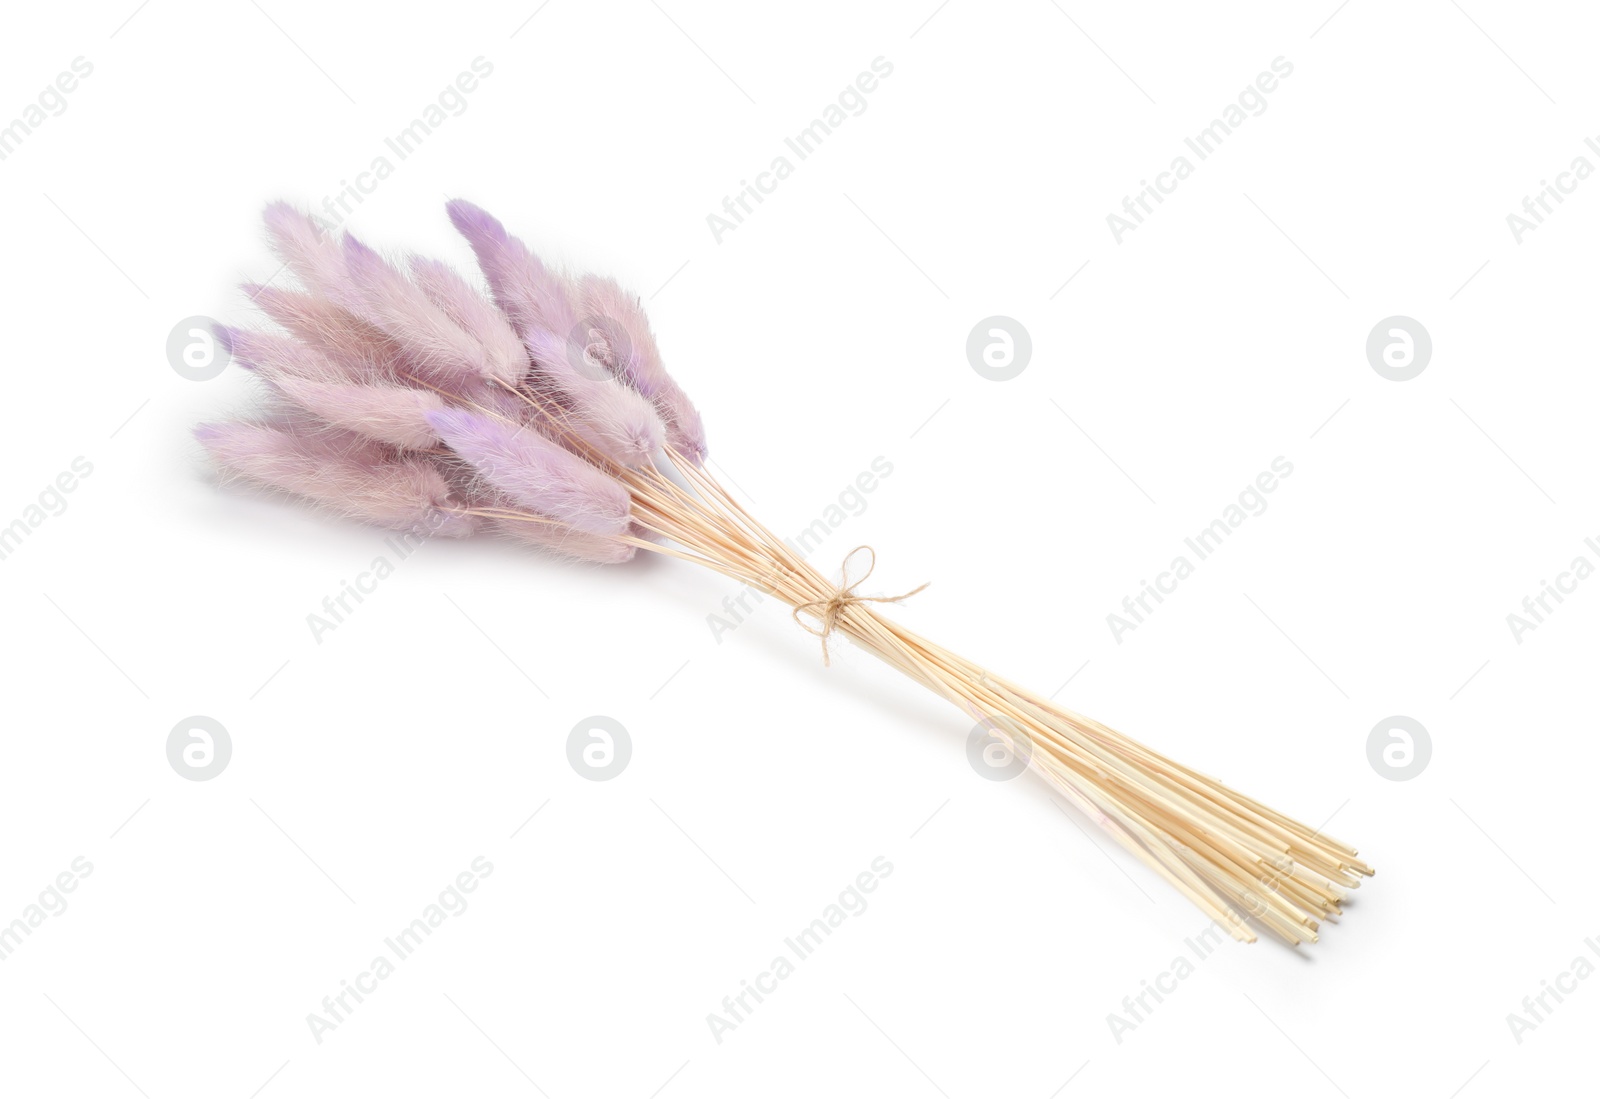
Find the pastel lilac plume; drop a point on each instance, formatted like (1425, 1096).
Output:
(535, 472)
(632, 353)
(475, 315)
(313, 256)
(276, 356)
(357, 346)
(531, 295)
(620, 422)
(346, 474)
(435, 346)
(387, 413)
(320, 385)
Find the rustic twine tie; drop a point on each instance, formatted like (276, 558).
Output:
(844, 596)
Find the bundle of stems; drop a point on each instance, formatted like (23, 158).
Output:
(1236, 859)
(543, 412)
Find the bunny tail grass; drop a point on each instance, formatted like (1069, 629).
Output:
(543, 413)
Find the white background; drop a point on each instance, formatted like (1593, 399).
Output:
(368, 770)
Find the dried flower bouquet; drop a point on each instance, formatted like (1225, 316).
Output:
(406, 397)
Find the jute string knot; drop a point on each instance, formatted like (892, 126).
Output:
(829, 610)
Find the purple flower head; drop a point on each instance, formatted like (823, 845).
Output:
(408, 398)
(340, 471)
(534, 472)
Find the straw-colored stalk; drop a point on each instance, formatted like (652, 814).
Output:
(1235, 859)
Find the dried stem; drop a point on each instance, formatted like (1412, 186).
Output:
(1234, 858)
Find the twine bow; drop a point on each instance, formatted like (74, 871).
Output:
(844, 596)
